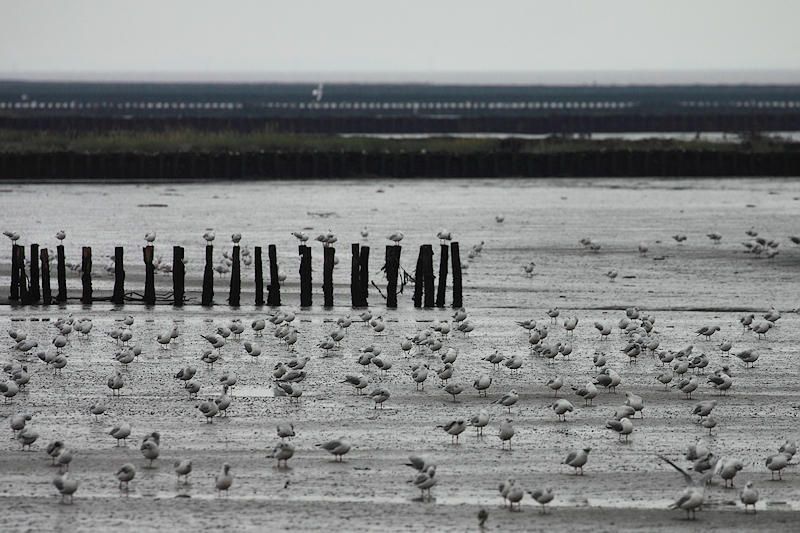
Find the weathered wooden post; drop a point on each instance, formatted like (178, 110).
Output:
(118, 296)
(355, 276)
(420, 276)
(62, 274)
(236, 278)
(363, 275)
(427, 274)
(86, 277)
(259, 277)
(305, 276)
(274, 292)
(149, 276)
(457, 303)
(34, 289)
(178, 276)
(208, 277)
(22, 279)
(47, 297)
(392, 268)
(440, 295)
(329, 254)
(14, 273)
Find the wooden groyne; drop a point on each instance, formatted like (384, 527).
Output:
(278, 164)
(25, 284)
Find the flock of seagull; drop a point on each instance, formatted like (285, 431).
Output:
(684, 370)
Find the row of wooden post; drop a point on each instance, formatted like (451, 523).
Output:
(27, 291)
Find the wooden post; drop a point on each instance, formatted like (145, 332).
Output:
(274, 291)
(427, 274)
(62, 274)
(86, 277)
(47, 297)
(236, 279)
(419, 287)
(22, 279)
(305, 276)
(118, 297)
(457, 303)
(149, 276)
(327, 275)
(440, 295)
(259, 277)
(392, 267)
(208, 277)
(178, 276)
(14, 273)
(363, 275)
(34, 290)
(355, 276)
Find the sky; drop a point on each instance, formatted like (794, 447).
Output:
(576, 41)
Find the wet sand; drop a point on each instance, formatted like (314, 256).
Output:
(625, 486)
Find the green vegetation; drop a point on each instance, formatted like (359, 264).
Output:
(187, 140)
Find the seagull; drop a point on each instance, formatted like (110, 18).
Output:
(623, 427)
(704, 408)
(359, 382)
(729, 469)
(542, 496)
(453, 389)
(588, 392)
(479, 421)
(27, 436)
(635, 402)
(483, 382)
(209, 409)
(337, 447)
(396, 237)
(150, 237)
(777, 462)
(506, 432)
(444, 236)
(61, 235)
(715, 237)
(13, 235)
(562, 407)
(612, 274)
(687, 386)
(694, 495)
(18, 422)
(121, 432)
(183, 467)
(283, 451)
(64, 458)
(425, 481)
(150, 450)
(679, 238)
(455, 428)
(749, 496)
(53, 449)
(209, 236)
(505, 487)
(224, 479)
(577, 458)
(285, 429)
(555, 384)
(66, 486)
(125, 474)
(379, 395)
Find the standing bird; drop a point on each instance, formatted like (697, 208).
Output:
(125, 474)
(183, 467)
(508, 399)
(61, 235)
(115, 383)
(562, 407)
(588, 392)
(224, 480)
(150, 449)
(379, 395)
(542, 496)
(337, 447)
(283, 451)
(480, 421)
(455, 428)
(483, 382)
(66, 486)
(506, 432)
(121, 432)
(749, 496)
(577, 458)
(453, 389)
(694, 495)
(623, 427)
(396, 237)
(425, 481)
(777, 462)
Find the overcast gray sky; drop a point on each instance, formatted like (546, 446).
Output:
(418, 40)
